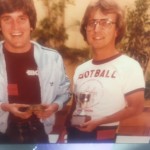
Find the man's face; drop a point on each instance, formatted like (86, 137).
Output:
(16, 30)
(101, 30)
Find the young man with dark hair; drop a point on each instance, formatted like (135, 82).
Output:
(33, 83)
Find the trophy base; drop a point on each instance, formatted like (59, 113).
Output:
(78, 120)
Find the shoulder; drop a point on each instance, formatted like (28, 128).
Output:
(125, 57)
(128, 65)
(45, 51)
(128, 61)
(39, 47)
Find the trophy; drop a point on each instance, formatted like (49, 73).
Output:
(80, 118)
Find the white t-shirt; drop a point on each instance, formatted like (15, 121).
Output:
(106, 83)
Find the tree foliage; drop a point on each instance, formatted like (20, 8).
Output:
(136, 41)
(51, 31)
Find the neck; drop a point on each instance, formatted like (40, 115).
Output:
(104, 53)
(18, 49)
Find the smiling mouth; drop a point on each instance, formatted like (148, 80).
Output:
(16, 34)
(98, 38)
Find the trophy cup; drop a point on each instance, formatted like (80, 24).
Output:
(82, 99)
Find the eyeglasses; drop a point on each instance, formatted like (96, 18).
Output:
(103, 23)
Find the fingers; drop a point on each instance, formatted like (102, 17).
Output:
(20, 105)
(25, 111)
(87, 127)
(46, 112)
(23, 115)
(43, 115)
(20, 110)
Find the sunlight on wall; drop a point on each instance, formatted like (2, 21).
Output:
(39, 9)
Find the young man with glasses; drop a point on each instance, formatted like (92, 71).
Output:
(33, 83)
(109, 87)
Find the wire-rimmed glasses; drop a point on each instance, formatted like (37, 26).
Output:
(103, 23)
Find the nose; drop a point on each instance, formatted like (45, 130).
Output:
(14, 24)
(97, 27)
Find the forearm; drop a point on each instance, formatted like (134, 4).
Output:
(120, 115)
(135, 104)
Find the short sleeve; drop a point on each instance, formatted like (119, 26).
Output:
(133, 78)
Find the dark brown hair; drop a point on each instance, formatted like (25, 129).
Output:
(27, 6)
(106, 6)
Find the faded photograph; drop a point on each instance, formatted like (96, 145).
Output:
(46, 91)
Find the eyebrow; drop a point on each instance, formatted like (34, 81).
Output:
(102, 19)
(7, 15)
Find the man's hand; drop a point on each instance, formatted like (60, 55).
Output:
(47, 112)
(89, 126)
(16, 110)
